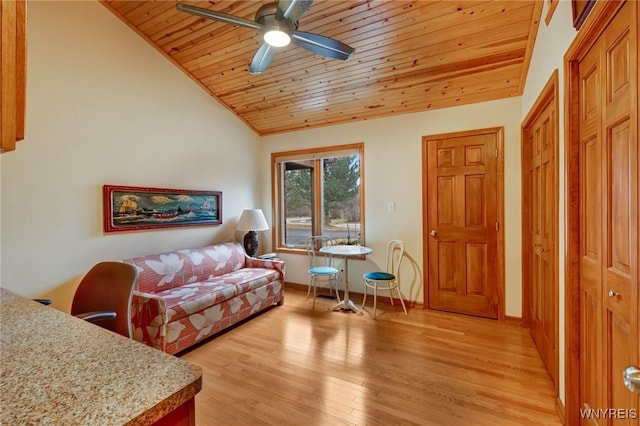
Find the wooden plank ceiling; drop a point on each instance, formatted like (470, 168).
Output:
(409, 56)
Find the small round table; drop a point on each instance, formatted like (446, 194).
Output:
(346, 252)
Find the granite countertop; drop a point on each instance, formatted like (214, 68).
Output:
(56, 369)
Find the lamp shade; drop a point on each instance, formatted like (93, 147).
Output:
(252, 220)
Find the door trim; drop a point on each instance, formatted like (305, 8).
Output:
(499, 132)
(549, 94)
(592, 28)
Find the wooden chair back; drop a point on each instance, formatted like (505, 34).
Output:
(108, 286)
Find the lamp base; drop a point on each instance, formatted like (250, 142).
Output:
(251, 243)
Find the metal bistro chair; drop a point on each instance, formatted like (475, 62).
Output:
(321, 267)
(104, 296)
(388, 279)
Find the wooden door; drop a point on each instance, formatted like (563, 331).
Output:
(462, 222)
(608, 179)
(540, 226)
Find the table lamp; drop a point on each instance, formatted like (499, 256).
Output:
(252, 220)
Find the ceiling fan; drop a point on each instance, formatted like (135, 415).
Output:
(278, 23)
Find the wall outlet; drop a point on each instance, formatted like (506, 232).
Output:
(391, 207)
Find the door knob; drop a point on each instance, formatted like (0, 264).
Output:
(433, 233)
(631, 378)
(612, 293)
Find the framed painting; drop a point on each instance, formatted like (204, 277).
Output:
(580, 9)
(131, 208)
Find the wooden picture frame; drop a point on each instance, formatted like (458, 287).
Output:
(580, 10)
(132, 208)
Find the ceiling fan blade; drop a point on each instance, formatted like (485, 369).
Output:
(262, 59)
(292, 10)
(322, 45)
(218, 16)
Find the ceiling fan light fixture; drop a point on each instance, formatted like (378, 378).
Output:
(277, 23)
(276, 37)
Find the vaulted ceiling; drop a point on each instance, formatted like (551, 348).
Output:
(409, 56)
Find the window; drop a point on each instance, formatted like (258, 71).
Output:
(318, 192)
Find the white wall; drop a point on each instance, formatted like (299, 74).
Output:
(103, 107)
(393, 173)
(548, 55)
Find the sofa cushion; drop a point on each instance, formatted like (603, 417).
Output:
(185, 300)
(159, 272)
(247, 279)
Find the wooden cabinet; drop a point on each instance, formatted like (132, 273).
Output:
(12, 73)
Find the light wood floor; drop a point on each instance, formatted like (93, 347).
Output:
(293, 366)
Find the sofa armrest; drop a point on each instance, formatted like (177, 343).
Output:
(148, 317)
(278, 265)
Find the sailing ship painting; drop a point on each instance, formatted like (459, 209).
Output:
(128, 208)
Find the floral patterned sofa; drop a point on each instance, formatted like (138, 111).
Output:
(184, 296)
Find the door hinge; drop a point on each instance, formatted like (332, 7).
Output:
(497, 226)
(496, 300)
(496, 152)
